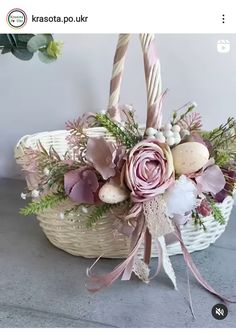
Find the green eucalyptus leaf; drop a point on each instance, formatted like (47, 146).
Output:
(4, 41)
(12, 39)
(22, 54)
(49, 37)
(25, 37)
(38, 41)
(6, 50)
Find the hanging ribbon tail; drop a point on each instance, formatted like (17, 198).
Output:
(195, 271)
(140, 267)
(96, 283)
(190, 295)
(128, 270)
(159, 262)
(148, 247)
(141, 270)
(166, 263)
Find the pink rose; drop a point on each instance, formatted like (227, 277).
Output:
(82, 185)
(148, 170)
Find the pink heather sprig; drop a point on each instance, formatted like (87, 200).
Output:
(84, 121)
(74, 144)
(192, 121)
(29, 161)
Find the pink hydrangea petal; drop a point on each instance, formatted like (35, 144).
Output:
(70, 179)
(91, 179)
(81, 193)
(81, 185)
(212, 180)
(102, 154)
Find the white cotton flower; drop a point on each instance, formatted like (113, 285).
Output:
(170, 141)
(150, 131)
(160, 137)
(181, 197)
(176, 129)
(23, 196)
(177, 138)
(168, 133)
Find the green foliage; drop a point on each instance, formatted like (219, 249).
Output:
(101, 210)
(176, 118)
(223, 141)
(23, 46)
(222, 157)
(223, 136)
(197, 220)
(46, 202)
(74, 210)
(126, 137)
(216, 212)
(38, 41)
(98, 213)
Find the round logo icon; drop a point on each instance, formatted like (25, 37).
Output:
(219, 311)
(16, 18)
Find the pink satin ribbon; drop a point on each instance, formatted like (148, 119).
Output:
(99, 282)
(189, 261)
(126, 267)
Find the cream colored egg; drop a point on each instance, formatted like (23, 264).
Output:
(112, 194)
(189, 157)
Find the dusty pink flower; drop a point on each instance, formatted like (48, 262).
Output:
(148, 170)
(104, 156)
(210, 179)
(204, 208)
(82, 185)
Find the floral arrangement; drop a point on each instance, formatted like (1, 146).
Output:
(24, 46)
(152, 179)
(178, 161)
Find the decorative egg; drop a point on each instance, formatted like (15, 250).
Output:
(189, 157)
(112, 194)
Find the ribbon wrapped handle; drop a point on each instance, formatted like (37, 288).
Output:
(152, 78)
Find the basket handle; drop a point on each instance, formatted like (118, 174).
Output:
(152, 77)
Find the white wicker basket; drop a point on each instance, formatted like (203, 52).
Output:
(71, 234)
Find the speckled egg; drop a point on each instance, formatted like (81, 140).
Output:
(112, 194)
(189, 157)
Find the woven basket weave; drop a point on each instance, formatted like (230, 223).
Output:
(70, 233)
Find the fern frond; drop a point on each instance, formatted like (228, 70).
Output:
(46, 202)
(216, 212)
(127, 138)
(101, 210)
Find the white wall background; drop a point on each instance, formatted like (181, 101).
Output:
(37, 97)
